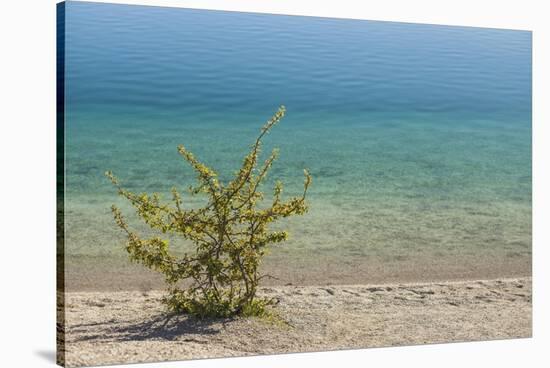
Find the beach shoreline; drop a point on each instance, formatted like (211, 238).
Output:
(119, 274)
(109, 327)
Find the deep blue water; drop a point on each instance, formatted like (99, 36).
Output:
(418, 137)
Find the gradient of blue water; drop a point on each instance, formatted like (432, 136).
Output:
(418, 137)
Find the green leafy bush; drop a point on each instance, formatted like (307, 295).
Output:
(230, 235)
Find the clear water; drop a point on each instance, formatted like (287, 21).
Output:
(418, 137)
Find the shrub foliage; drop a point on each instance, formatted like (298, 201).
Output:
(230, 235)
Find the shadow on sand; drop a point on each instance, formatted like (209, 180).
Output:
(161, 327)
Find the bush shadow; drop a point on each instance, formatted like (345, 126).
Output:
(160, 327)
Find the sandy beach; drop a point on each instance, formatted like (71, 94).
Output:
(310, 268)
(110, 327)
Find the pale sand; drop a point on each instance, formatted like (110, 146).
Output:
(128, 327)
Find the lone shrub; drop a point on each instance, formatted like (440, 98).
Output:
(230, 235)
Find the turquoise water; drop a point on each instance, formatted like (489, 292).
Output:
(418, 137)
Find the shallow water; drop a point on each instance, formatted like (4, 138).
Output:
(418, 137)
